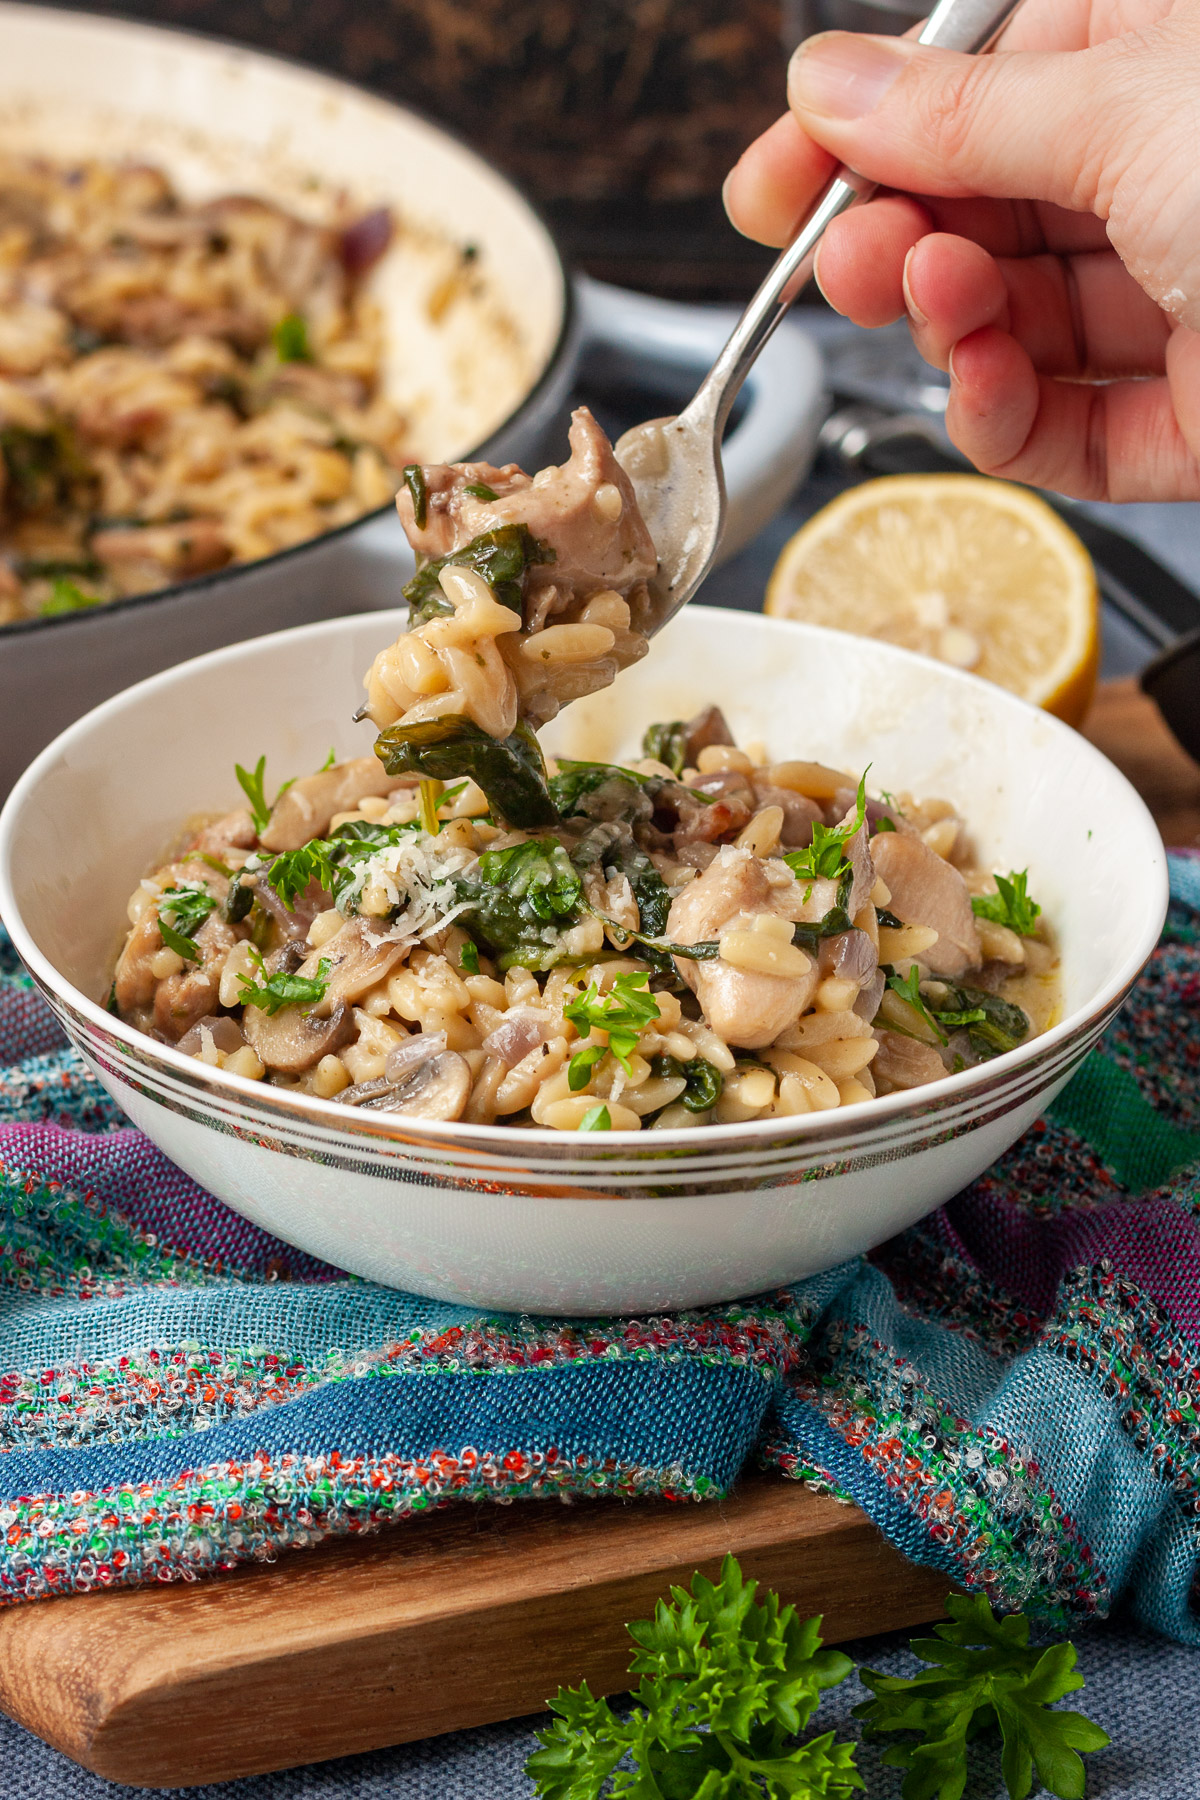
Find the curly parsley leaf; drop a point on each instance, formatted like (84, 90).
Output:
(624, 1012)
(984, 1674)
(282, 989)
(252, 786)
(726, 1683)
(468, 957)
(1010, 905)
(825, 857)
(293, 871)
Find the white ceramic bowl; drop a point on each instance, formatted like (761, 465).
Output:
(538, 1220)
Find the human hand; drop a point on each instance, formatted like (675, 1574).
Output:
(1040, 228)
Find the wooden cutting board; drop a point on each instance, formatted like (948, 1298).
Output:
(475, 1614)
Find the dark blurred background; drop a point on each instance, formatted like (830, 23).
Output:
(621, 117)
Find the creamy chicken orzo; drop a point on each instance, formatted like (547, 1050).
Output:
(181, 386)
(454, 928)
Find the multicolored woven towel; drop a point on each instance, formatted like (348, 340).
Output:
(1011, 1389)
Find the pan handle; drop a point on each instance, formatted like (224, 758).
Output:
(667, 345)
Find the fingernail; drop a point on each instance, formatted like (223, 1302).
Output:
(843, 74)
(914, 311)
(725, 187)
(950, 365)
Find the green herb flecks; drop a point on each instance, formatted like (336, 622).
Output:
(282, 989)
(251, 785)
(1010, 905)
(414, 481)
(500, 556)
(727, 1683)
(666, 743)
(479, 490)
(623, 1013)
(984, 1675)
(825, 858)
(509, 770)
(66, 597)
(468, 957)
(329, 763)
(908, 988)
(44, 468)
(290, 338)
(181, 912)
(832, 924)
(596, 1118)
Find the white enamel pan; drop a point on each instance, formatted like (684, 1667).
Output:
(492, 375)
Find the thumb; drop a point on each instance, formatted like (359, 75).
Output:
(1020, 125)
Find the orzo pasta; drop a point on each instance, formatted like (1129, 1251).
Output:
(181, 386)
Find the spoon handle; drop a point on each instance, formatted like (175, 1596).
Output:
(965, 25)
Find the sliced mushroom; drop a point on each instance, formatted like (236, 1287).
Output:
(707, 728)
(437, 1089)
(221, 1033)
(902, 1062)
(307, 808)
(358, 959)
(296, 1039)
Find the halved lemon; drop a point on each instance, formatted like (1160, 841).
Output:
(972, 571)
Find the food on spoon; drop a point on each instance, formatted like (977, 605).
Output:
(660, 955)
(182, 385)
(973, 571)
(529, 593)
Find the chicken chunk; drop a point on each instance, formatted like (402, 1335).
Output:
(586, 511)
(742, 1006)
(926, 890)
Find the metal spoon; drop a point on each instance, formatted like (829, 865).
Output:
(675, 464)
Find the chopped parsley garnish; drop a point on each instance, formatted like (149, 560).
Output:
(908, 987)
(596, 1118)
(414, 481)
(290, 338)
(330, 761)
(825, 858)
(293, 871)
(1010, 905)
(468, 957)
(479, 490)
(624, 1012)
(666, 743)
(188, 905)
(985, 1674)
(252, 786)
(884, 824)
(993, 1025)
(281, 989)
(66, 597)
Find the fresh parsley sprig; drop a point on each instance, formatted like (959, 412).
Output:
(908, 987)
(985, 1674)
(188, 905)
(1010, 905)
(251, 785)
(727, 1682)
(825, 858)
(624, 1012)
(283, 989)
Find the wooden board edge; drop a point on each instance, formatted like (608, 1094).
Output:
(382, 1685)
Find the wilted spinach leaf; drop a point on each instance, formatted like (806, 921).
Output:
(500, 556)
(509, 770)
